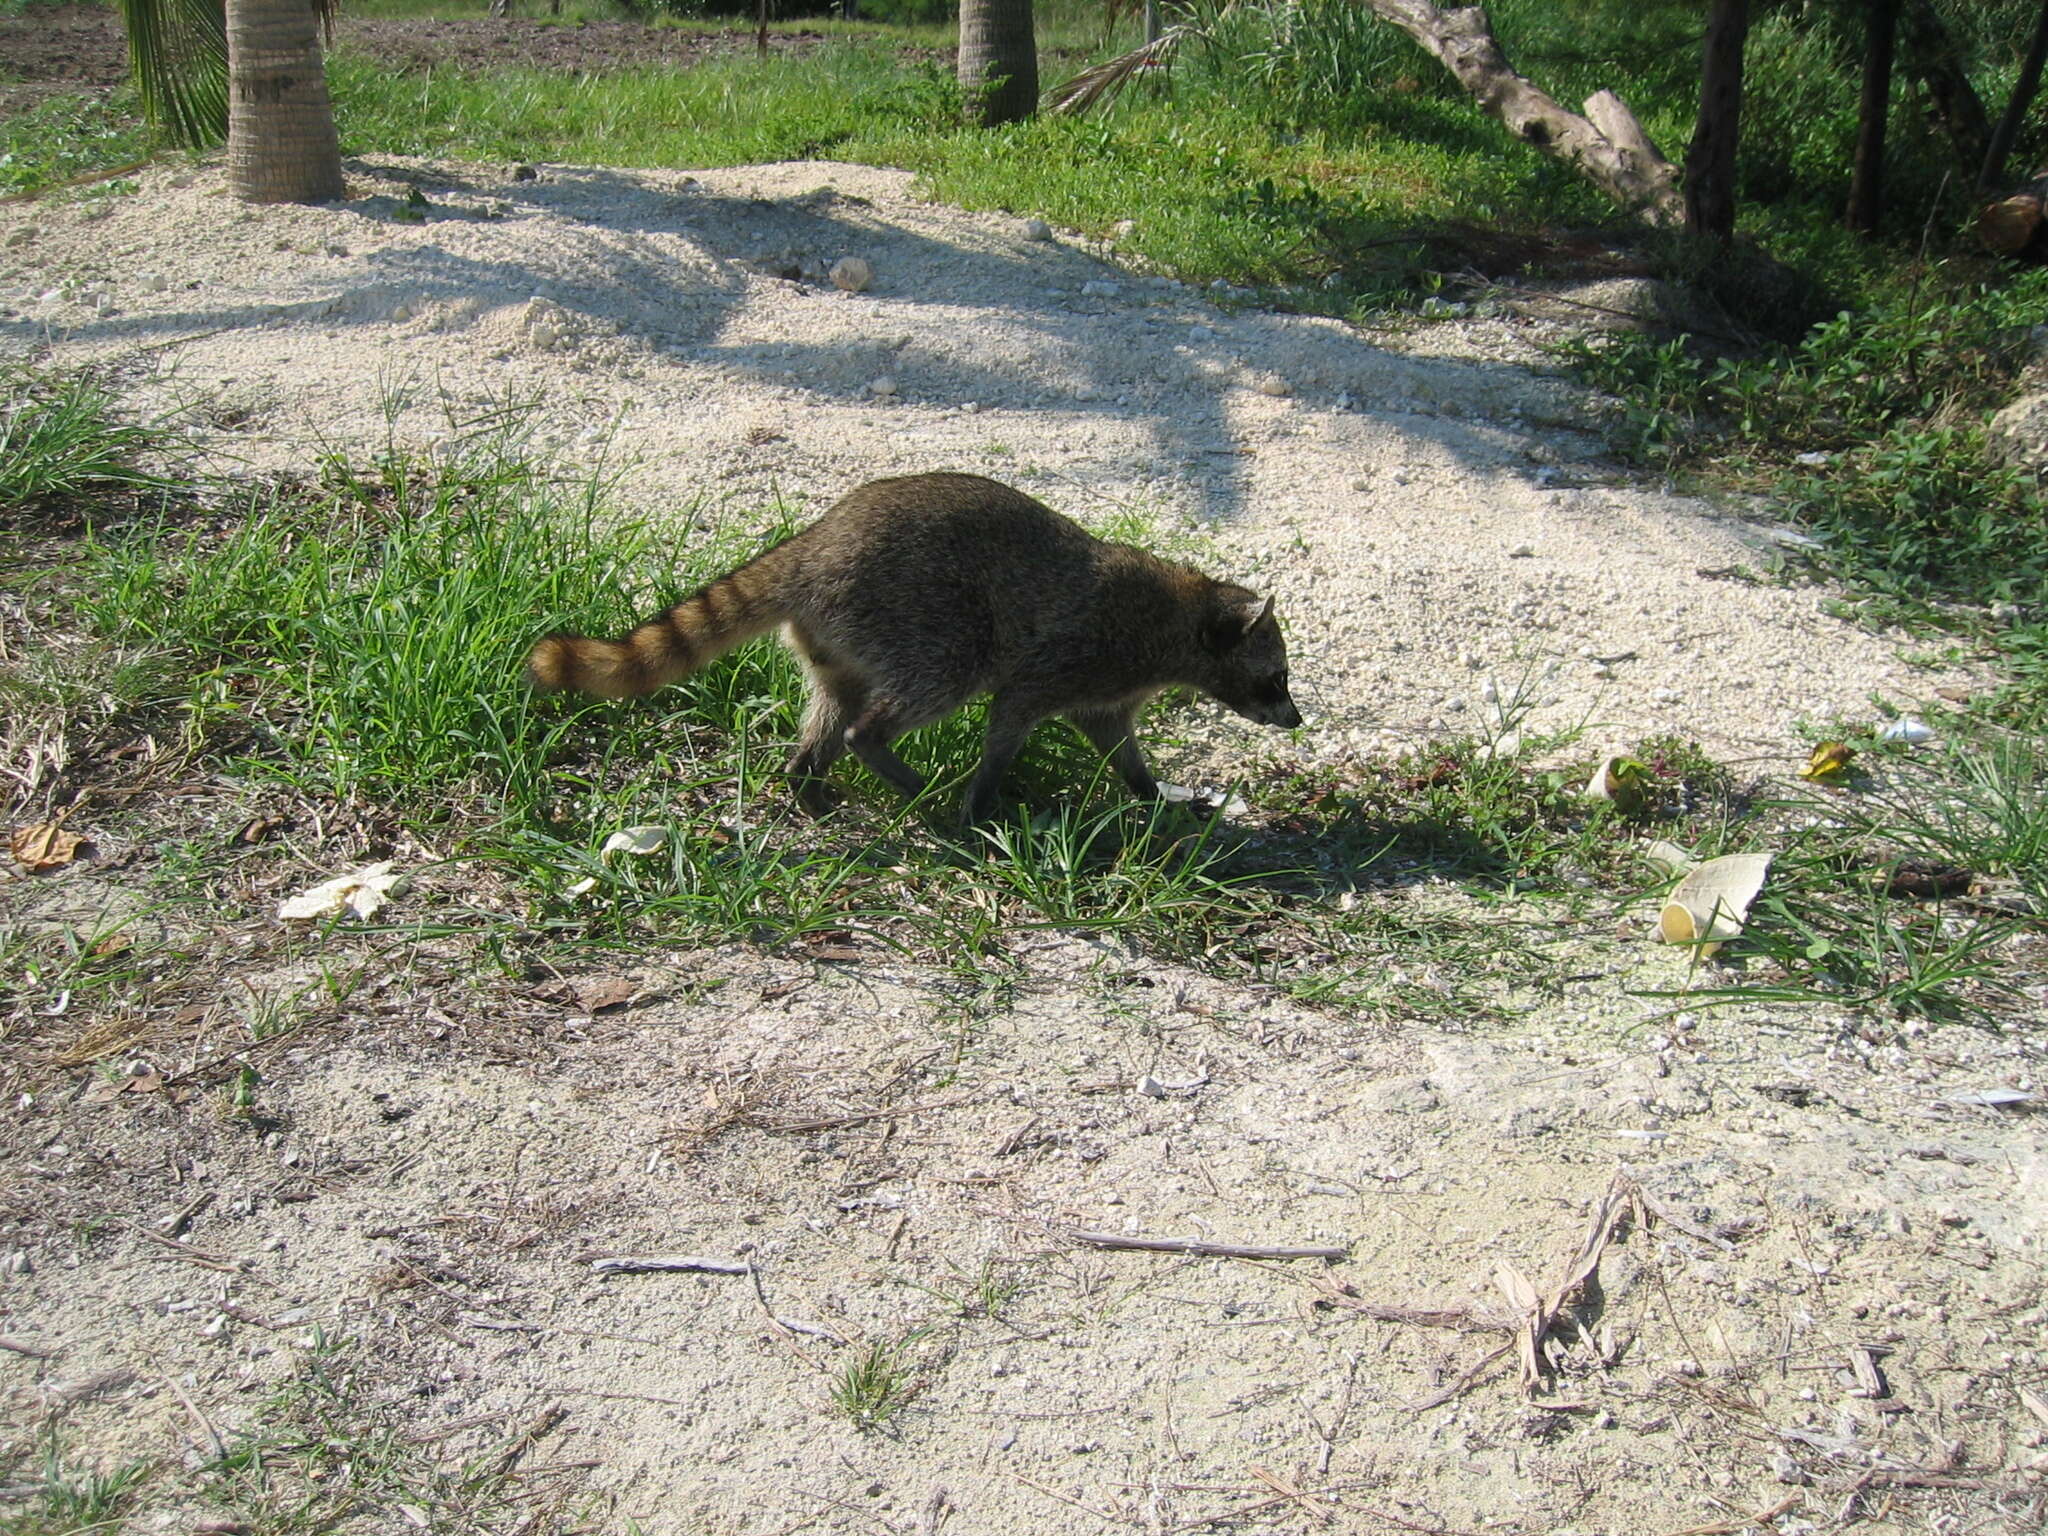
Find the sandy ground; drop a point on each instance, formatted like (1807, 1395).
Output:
(1436, 518)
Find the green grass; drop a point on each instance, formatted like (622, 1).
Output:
(874, 1385)
(60, 438)
(327, 1452)
(64, 1499)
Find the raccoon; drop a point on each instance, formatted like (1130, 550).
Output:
(912, 595)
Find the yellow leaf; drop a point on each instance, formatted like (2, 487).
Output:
(1830, 760)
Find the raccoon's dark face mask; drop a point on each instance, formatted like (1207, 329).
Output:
(1251, 663)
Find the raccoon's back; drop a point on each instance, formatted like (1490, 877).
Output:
(938, 541)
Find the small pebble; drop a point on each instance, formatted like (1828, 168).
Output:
(1035, 229)
(882, 388)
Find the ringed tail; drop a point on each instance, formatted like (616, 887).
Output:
(671, 645)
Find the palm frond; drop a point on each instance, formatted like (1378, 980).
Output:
(178, 51)
(1103, 81)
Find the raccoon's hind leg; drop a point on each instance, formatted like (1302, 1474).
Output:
(1113, 731)
(868, 738)
(838, 695)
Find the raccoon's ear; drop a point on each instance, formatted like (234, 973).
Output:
(1229, 623)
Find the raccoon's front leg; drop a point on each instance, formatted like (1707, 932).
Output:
(1009, 723)
(1114, 733)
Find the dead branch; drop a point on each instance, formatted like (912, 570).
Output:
(862, 1117)
(640, 1264)
(1607, 145)
(1530, 1314)
(1200, 1247)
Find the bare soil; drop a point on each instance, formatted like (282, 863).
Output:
(1825, 1316)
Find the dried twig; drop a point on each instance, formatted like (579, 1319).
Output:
(188, 1253)
(175, 1224)
(521, 1443)
(33, 1351)
(840, 1122)
(1053, 1493)
(638, 1264)
(1200, 1247)
(1533, 1311)
(1287, 1490)
(220, 1448)
(1740, 1522)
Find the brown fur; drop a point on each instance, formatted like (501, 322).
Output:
(911, 596)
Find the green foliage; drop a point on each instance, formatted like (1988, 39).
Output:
(180, 54)
(372, 632)
(1886, 408)
(59, 439)
(874, 1385)
(64, 137)
(725, 110)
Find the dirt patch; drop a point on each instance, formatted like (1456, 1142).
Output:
(59, 51)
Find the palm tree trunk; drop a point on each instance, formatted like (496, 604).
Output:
(998, 68)
(281, 141)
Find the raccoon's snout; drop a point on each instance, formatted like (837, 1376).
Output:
(1280, 712)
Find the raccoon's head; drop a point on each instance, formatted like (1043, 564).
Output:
(1247, 659)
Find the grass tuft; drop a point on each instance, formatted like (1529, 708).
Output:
(60, 439)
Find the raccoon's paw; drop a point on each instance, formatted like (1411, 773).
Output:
(816, 797)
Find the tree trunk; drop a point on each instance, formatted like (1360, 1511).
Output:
(1932, 57)
(281, 141)
(1866, 182)
(998, 69)
(1607, 145)
(2016, 109)
(1710, 163)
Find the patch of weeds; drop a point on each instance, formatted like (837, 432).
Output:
(60, 439)
(66, 137)
(1903, 890)
(60, 1498)
(369, 632)
(875, 1384)
(983, 1294)
(326, 1450)
(1871, 431)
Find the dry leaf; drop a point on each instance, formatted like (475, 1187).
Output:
(1707, 907)
(598, 993)
(258, 828)
(44, 847)
(640, 840)
(1620, 779)
(359, 892)
(1830, 761)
